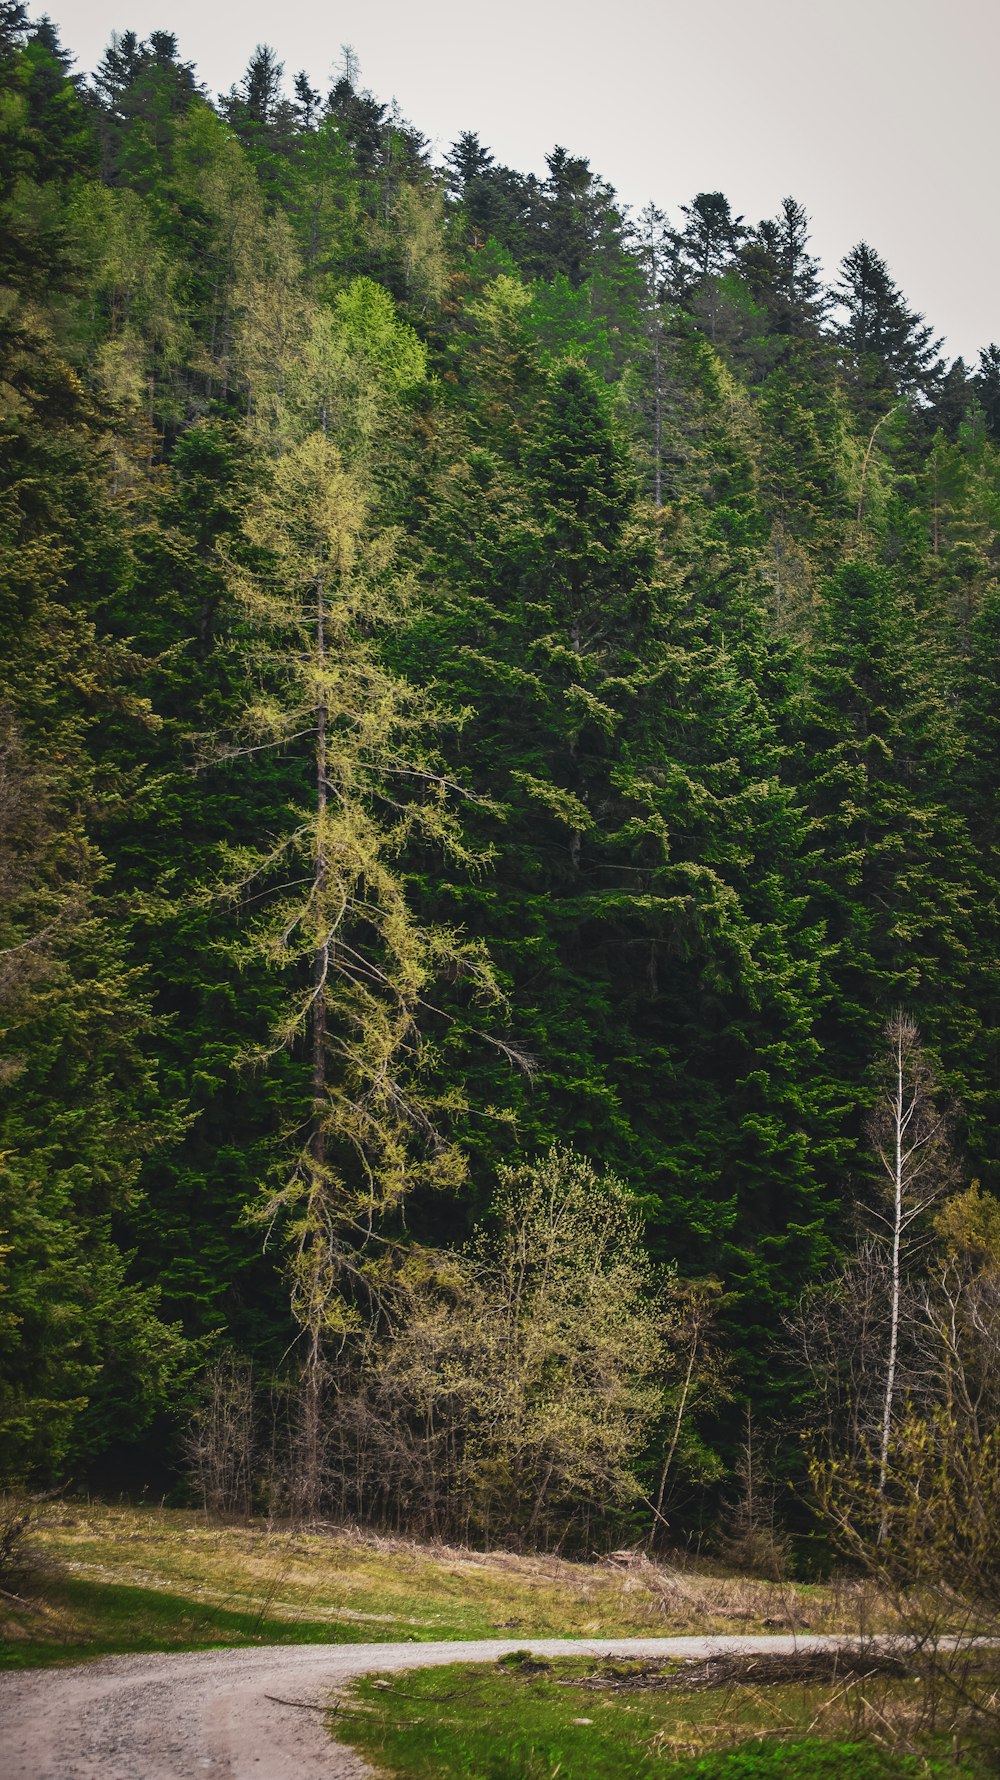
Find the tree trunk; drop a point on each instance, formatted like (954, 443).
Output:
(897, 1231)
(657, 428)
(311, 1455)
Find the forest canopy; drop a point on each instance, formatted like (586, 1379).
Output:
(498, 729)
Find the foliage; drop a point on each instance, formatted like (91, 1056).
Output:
(513, 1386)
(478, 673)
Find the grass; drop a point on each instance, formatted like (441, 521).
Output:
(535, 1721)
(102, 1578)
(75, 1621)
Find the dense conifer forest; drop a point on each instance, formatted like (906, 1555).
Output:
(498, 743)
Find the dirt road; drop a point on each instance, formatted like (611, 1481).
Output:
(223, 1712)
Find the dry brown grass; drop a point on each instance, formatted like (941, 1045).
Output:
(392, 1587)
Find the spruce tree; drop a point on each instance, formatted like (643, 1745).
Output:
(890, 350)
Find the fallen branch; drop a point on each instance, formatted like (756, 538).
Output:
(305, 1705)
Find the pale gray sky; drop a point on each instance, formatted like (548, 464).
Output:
(881, 116)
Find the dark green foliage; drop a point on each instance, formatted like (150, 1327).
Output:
(987, 387)
(85, 1357)
(141, 89)
(189, 1226)
(784, 275)
(647, 899)
(705, 246)
(893, 856)
(890, 349)
(729, 753)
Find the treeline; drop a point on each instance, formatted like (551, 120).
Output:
(481, 672)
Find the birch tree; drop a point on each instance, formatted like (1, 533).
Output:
(910, 1138)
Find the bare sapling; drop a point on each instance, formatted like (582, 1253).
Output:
(911, 1139)
(697, 1380)
(220, 1441)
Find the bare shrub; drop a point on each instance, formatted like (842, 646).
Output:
(921, 1516)
(16, 1516)
(220, 1442)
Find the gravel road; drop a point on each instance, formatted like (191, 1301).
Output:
(211, 1712)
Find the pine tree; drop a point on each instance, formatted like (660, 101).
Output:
(574, 222)
(86, 1360)
(892, 868)
(890, 350)
(784, 275)
(706, 245)
(987, 387)
(667, 1011)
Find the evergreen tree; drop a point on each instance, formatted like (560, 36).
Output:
(987, 387)
(952, 399)
(86, 1360)
(644, 951)
(784, 275)
(264, 121)
(890, 350)
(141, 89)
(981, 762)
(706, 245)
(496, 202)
(892, 869)
(574, 222)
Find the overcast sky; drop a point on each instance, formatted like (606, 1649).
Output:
(881, 116)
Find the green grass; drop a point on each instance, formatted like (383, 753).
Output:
(81, 1620)
(532, 1723)
(101, 1579)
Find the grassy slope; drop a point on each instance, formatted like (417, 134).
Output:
(103, 1579)
(508, 1723)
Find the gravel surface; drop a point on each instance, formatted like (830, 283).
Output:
(211, 1712)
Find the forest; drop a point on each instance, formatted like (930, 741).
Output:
(498, 843)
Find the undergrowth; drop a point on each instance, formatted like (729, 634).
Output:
(539, 1721)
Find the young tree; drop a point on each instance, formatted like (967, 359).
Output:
(513, 1386)
(910, 1138)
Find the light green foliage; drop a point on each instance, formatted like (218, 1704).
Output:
(370, 326)
(969, 1224)
(578, 1325)
(138, 338)
(511, 1389)
(308, 531)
